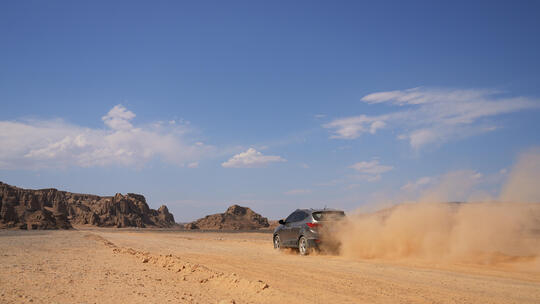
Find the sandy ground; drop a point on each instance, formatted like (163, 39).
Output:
(129, 266)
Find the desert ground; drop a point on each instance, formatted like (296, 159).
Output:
(92, 265)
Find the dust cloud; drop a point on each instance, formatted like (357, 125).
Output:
(499, 230)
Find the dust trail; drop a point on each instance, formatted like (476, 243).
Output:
(523, 184)
(502, 231)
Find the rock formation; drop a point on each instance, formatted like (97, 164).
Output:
(53, 209)
(235, 218)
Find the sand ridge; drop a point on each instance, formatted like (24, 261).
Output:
(189, 271)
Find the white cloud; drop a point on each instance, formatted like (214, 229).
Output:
(431, 115)
(298, 192)
(39, 144)
(251, 159)
(371, 170)
(118, 118)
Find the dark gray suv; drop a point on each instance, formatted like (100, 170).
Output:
(303, 229)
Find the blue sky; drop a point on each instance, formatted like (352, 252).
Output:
(274, 105)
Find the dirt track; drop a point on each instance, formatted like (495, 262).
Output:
(126, 266)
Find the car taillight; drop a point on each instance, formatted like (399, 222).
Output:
(313, 225)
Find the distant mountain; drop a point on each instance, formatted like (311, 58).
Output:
(54, 209)
(235, 218)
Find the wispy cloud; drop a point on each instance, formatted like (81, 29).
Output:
(431, 115)
(353, 127)
(251, 159)
(370, 170)
(298, 192)
(453, 186)
(39, 144)
(193, 165)
(418, 184)
(371, 167)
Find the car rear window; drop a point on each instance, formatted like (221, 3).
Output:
(328, 215)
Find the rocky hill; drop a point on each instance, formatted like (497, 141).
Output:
(54, 209)
(235, 218)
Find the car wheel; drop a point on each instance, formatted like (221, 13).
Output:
(303, 246)
(277, 242)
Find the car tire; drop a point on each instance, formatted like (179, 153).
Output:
(303, 246)
(277, 242)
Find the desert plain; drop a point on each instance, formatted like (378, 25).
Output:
(104, 265)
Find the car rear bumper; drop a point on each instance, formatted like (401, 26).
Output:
(313, 243)
(324, 245)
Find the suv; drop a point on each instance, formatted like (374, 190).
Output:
(302, 229)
